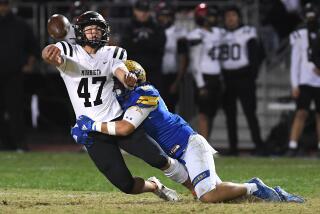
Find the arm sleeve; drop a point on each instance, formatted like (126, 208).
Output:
(295, 61)
(136, 115)
(253, 55)
(195, 55)
(182, 46)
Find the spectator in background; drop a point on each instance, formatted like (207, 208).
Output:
(174, 61)
(144, 40)
(204, 44)
(305, 77)
(280, 15)
(76, 9)
(239, 56)
(19, 49)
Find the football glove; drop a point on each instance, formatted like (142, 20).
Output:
(86, 124)
(80, 136)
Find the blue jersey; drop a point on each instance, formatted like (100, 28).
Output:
(169, 130)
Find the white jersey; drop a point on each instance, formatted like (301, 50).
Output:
(234, 53)
(169, 60)
(301, 68)
(204, 53)
(89, 80)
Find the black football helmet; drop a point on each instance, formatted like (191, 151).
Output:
(91, 18)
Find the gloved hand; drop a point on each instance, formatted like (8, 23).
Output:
(86, 124)
(80, 136)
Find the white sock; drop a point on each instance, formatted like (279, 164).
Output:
(293, 144)
(251, 188)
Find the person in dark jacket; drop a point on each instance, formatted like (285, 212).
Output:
(18, 53)
(144, 41)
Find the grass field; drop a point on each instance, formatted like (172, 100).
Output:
(69, 183)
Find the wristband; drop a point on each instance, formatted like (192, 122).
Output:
(97, 126)
(111, 127)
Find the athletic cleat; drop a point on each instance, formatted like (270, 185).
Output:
(287, 197)
(163, 191)
(264, 192)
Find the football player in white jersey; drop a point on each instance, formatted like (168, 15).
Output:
(174, 60)
(305, 81)
(204, 43)
(88, 69)
(240, 59)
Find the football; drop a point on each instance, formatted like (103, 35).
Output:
(58, 26)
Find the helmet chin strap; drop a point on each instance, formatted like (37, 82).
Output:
(95, 43)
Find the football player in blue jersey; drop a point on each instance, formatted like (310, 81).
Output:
(144, 106)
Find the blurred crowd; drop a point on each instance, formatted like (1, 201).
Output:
(218, 44)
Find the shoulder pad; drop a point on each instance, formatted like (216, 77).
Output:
(147, 90)
(67, 48)
(250, 31)
(296, 34)
(148, 96)
(119, 53)
(194, 34)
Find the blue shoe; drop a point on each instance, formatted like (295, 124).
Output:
(264, 192)
(287, 197)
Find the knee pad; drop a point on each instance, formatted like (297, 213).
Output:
(176, 171)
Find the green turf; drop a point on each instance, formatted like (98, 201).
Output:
(29, 181)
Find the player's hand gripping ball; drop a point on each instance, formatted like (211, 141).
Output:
(58, 26)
